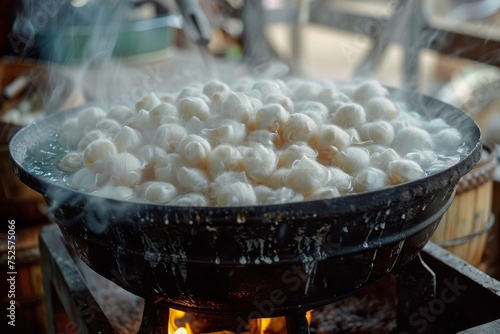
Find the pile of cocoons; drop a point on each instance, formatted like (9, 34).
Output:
(254, 141)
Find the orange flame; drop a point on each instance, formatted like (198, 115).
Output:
(178, 324)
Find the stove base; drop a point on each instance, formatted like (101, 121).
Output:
(465, 298)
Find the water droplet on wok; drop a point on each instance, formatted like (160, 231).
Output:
(240, 218)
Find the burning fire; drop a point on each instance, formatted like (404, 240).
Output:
(183, 323)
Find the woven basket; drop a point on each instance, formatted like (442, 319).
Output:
(464, 227)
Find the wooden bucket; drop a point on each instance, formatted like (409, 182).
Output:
(29, 301)
(464, 228)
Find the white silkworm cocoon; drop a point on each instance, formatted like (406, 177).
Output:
(300, 127)
(350, 115)
(259, 162)
(147, 102)
(271, 117)
(331, 140)
(265, 137)
(223, 158)
(88, 118)
(284, 195)
(355, 137)
(379, 132)
(169, 136)
(226, 178)
(215, 86)
(168, 98)
(193, 107)
(263, 194)
(369, 90)
(339, 179)
(194, 149)
(237, 106)
(125, 169)
(194, 126)
(89, 138)
(86, 179)
(332, 109)
(109, 126)
(156, 192)
(166, 168)
(327, 96)
(71, 162)
(403, 170)
(120, 193)
(412, 138)
(323, 193)
(399, 124)
(120, 113)
(278, 178)
(256, 105)
(423, 158)
(191, 200)
(316, 110)
(70, 134)
(448, 139)
(236, 194)
(381, 160)
(352, 159)
(370, 179)
(128, 139)
(306, 176)
(190, 92)
(192, 179)
(374, 148)
(140, 121)
(226, 131)
(282, 100)
(164, 113)
(97, 154)
(257, 141)
(266, 88)
(407, 119)
(435, 125)
(305, 90)
(314, 115)
(151, 154)
(381, 108)
(294, 152)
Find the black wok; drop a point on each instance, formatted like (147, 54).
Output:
(254, 261)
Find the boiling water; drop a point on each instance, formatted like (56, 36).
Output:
(42, 160)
